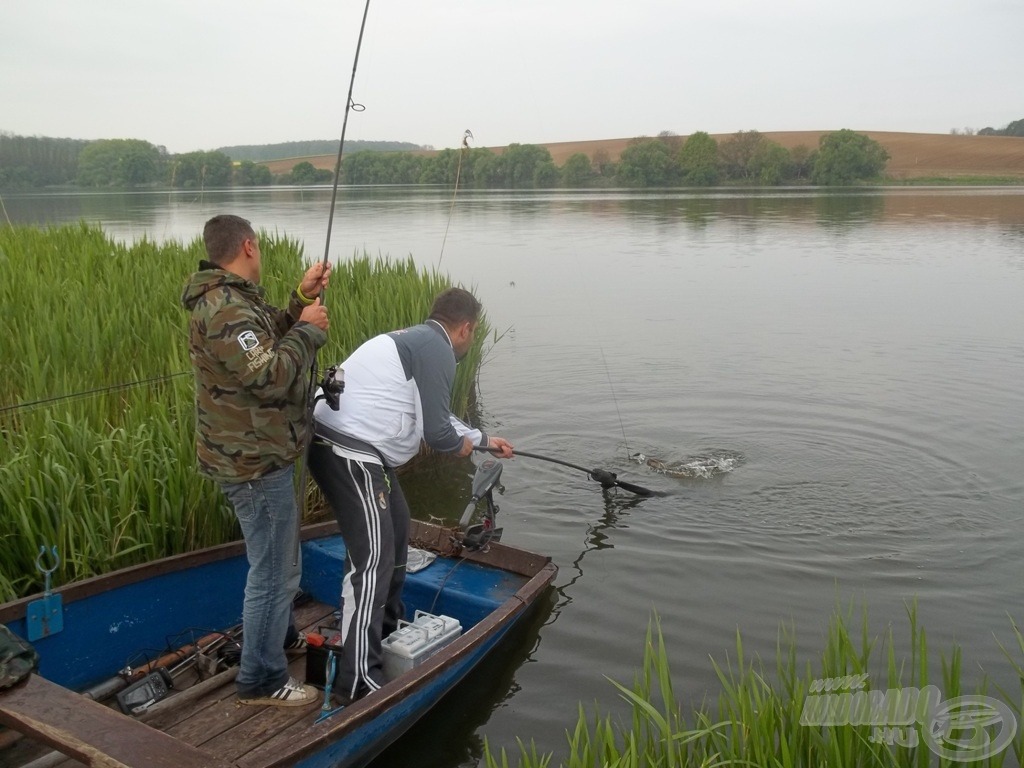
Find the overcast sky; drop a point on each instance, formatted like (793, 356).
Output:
(194, 75)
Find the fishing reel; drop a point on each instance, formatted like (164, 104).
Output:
(331, 386)
(485, 480)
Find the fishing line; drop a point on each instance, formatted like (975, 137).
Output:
(458, 172)
(350, 106)
(615, 399)
(4, 207)
(440, 589)
(91, 392)
(604, 361)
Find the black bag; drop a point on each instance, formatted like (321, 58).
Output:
(18, 659)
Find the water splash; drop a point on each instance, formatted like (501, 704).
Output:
(704, 465)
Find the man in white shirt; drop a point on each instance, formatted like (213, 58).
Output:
(398, 390)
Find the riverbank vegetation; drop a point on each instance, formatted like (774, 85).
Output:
(97, 449)
(796, 716)
(843, 157)
(746, 158)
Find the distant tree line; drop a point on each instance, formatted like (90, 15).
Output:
(747, 157)
(519, 166)
(260, 153)
(38, 161)
(30, 162)
(667, 160)
(1016, 128)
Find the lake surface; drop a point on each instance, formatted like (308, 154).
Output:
(856, 357)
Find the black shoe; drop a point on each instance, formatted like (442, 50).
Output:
(298, 645)
(344, 700)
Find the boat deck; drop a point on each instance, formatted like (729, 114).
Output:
(203, 713)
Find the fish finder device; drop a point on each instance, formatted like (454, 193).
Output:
(144, 693)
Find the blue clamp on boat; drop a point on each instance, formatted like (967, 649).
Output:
(326, 710)
(45, 616)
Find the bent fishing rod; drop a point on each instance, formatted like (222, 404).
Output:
(604, 477)
(334, 378)
(350, 106)
(333, 383)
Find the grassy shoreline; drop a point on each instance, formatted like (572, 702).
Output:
(768, 716)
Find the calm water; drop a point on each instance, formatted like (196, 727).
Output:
(860, 354)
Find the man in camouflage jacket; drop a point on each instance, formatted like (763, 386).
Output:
(251, 363)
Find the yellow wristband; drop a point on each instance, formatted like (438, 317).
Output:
(302, 297)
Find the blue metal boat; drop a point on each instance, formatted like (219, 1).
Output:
(163, 632)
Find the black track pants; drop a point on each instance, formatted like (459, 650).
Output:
(374, 520)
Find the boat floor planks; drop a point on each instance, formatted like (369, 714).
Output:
(169, 712)
(205, 721)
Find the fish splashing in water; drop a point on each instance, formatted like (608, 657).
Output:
(704, 465)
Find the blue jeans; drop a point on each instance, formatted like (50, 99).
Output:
(267, 512)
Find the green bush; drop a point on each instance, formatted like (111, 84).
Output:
(845, 157)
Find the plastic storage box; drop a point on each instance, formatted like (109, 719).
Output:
(416, 641)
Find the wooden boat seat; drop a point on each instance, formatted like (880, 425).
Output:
(92, 733)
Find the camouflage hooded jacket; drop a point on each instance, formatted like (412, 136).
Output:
(250, 361)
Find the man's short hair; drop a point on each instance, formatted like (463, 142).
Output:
(455, 306)
(224, 235)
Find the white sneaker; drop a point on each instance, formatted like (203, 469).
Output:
(291, 694)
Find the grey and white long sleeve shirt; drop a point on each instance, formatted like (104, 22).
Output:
(398, 389)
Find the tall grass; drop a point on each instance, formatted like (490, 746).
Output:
(109, 475)
(756, 720)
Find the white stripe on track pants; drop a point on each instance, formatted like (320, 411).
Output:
(374, 520)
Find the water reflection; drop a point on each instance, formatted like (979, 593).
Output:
(439, 487)
(301, 211)
(846, 211)
(616, 506)
(1016, 235)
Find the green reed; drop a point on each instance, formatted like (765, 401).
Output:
(756, 719)
(109, 475)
